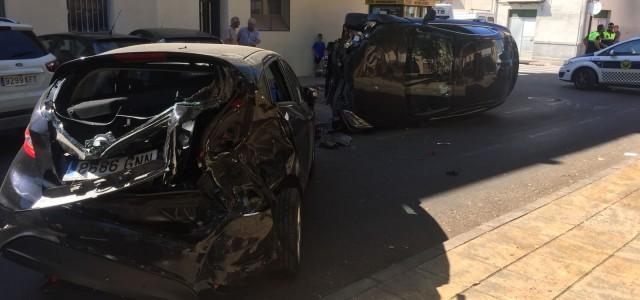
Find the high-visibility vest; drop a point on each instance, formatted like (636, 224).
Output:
(609, 36)
(593, 36)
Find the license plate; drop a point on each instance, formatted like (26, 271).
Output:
(17, 80)
(89, 170)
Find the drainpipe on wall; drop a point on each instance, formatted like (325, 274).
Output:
(584, 26)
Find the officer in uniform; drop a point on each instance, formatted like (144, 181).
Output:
(594, 40)
(609, 36)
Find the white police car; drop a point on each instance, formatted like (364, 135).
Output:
(617, 65)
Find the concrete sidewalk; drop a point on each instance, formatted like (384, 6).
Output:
(580, 243)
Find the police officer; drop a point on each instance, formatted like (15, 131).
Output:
(609, 36)
(594, 40)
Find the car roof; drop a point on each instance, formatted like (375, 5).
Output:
(16, 26)
(231, 53)
(174, 32)
(615, 45)
(96, 35)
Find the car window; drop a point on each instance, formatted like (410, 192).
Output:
(19, 45)
(431, 55)
(292, 79)
(276, 83)
(47, 43)
(629, 48)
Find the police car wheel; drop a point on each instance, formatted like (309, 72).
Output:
(585, 78)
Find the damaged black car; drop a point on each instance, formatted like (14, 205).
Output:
(161, 171)
(387, 70)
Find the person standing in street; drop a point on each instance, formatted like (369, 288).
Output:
(609, 36)
(319, 49)
(249, 36)
(594, 40)
(231, 34)
(616, 29)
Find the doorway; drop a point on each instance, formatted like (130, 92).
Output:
(522, 23)
(210, 16)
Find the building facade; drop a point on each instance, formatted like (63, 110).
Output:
(288, 27)
(554, 29)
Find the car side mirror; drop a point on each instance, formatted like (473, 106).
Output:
(310, 95)
(612, 52)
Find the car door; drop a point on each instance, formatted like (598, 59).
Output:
(620, 65)
(429, 70)
(283, 89)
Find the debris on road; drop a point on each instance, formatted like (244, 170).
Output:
(408, 210)
(631, 154)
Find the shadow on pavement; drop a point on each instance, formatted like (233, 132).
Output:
(365, 207)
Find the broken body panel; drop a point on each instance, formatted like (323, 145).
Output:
(196, 173)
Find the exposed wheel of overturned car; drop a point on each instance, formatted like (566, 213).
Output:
(288, 222)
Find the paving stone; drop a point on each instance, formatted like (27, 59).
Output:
(615, 221)
(459, 268)
(353, 289)
(376, 294)
(631, 250)
(473, 294)
(596, 240)
(389, 272)
(572, 209)
(421, 285)
(598, 285)
(554, 267)
(510, 285)
(606, 190)
(512, 241)
(628, 269)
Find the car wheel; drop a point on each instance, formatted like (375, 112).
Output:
(288, 224)
(585, 78)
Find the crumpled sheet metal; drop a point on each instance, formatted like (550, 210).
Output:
(248, 155)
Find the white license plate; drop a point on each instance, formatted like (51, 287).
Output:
(17, 80)
(89, 170)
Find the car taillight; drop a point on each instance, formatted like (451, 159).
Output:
(28, 145)
(52, 65)
(141, 57)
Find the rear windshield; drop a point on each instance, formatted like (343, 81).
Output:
(108, 45)
(19, 45)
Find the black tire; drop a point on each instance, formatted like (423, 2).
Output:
(585, 79)
(288, 225)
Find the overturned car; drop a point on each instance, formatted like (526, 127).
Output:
(387, 69)
(162, 170)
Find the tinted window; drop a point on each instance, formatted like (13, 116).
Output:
(276, 84)
(432, 55)
(294, 84)
(108, 45)
(630, 48)
(19, 45)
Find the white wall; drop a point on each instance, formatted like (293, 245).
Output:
(135, 15)
(308, 18)
(559, 25)
(48, 16)
(625, 13)
(179, 13)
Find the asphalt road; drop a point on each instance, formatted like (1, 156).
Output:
(394, 193)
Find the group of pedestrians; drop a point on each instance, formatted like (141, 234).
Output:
(601, 38)
(246, 36)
